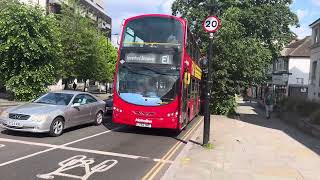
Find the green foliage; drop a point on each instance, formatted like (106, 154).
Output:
(303, 107)
(87, 54)
(208, 146)
(29, 49)
(224, 105)
(251, 36)
(107, 60)
(36, 49)
(30, 84)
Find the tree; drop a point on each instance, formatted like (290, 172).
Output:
(107, 57)
(252, 34)
(29, 49)
(87, 53)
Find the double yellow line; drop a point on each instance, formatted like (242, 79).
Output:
(156, 168)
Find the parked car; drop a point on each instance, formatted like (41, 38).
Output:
(109, 104)
(54, 112)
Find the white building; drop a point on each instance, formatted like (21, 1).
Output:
(314, 87)
(291, 69)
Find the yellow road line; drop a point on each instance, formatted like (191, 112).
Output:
(170, 155)
(155, 169)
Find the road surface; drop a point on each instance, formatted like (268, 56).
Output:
(88, 152)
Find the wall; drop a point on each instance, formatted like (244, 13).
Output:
(300, 68)
(298, 91)
(99, 3)
(56, 87)
(314, 89)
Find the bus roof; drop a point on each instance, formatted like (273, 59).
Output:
(183, 21)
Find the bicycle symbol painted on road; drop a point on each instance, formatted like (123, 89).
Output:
(79, 161)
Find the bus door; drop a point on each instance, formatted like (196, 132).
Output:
(186, 83)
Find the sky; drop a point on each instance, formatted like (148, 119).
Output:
(307, 10)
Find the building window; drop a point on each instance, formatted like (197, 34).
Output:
(281, 65)
(314, 69)
(316, 35)
(300, 80)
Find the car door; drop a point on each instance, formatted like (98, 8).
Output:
(93, 105)
(81, 114)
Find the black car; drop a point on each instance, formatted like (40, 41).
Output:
(109, 103)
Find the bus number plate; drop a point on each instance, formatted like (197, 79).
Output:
(143, 125)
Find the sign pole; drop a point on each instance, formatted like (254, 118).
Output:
(211, 25)
(206, 127)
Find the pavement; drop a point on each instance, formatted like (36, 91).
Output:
(248, 147)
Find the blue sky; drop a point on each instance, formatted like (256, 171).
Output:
(307, 10)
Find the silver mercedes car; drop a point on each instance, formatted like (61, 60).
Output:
(54, 112)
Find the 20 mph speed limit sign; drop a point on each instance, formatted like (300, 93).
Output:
(211, 24)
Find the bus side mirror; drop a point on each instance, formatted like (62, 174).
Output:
(121, 27)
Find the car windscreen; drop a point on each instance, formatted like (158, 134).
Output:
(55, 99)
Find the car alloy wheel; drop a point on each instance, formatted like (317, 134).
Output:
(56, 127)
(99, 118)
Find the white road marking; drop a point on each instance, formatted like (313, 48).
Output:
(79, 161)
(95, 135)
(102, 152)
(25, 157)
(64, 147)
(52, 147)
(28, 143)
(2, 145)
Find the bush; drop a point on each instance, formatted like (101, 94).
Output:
(303, 107)
(224, 106)
(315, 117)
(29, 49)
(290, 104)
(306, 108)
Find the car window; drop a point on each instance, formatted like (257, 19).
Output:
(55, 99)
(90, 99)
(82, 99)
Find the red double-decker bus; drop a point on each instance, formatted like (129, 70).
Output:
(157, 79)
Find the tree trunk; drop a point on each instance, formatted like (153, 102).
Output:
(65, 82)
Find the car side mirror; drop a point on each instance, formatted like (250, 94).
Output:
(75, 105)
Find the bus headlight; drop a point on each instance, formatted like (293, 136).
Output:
(174, 114)
(117, 109)
(39, 118)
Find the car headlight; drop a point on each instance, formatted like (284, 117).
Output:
(39, 118)
(4, 114)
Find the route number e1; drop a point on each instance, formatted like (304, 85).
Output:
(211, 24)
